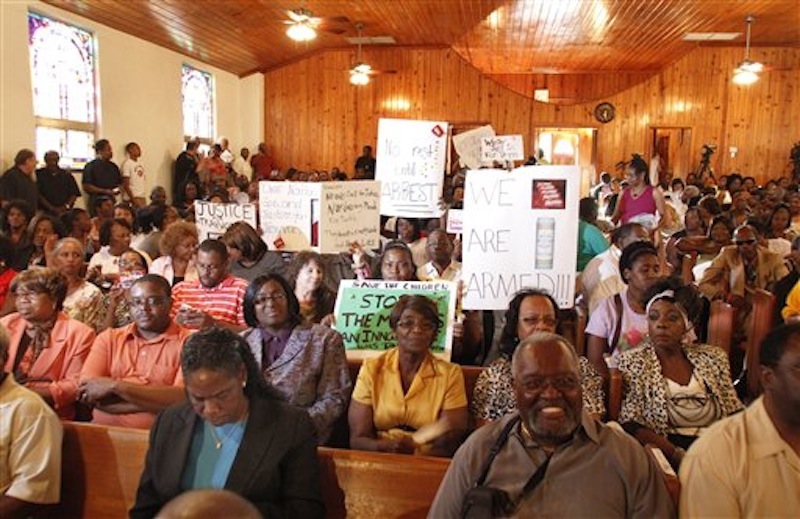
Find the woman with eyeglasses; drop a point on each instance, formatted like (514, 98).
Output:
(47, 348)
(305, 362)
(406, 400)
(672, 387)
(132, 266)
(531, 310)
(232, 432)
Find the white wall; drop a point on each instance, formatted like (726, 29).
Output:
(139, 93)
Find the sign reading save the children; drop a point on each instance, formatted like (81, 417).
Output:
(410, 165)
(322, 216)
(212, 219)
(363, 308)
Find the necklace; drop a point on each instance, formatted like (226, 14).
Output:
(219, 441)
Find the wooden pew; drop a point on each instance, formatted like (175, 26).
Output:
(720, 325)
(761, 324)
(102, 465)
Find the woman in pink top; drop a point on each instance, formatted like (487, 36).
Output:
(640, 201)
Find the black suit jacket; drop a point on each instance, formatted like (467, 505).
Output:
(276, 467)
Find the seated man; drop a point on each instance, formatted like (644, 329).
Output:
(216, 297)
(440, 253)
(133, 372)
(30, 447)
(552, 458)
(748, 465)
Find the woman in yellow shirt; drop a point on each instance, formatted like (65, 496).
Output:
(406, 400)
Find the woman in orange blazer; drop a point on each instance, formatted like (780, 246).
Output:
(47, 348)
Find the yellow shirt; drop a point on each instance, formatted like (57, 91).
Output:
(792, 308)
(438, 386)
(741, 467)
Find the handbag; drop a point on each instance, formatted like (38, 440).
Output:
(483, 502)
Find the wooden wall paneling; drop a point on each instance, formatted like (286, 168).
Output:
(695, 91)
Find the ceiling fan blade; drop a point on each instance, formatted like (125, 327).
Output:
(332, 30)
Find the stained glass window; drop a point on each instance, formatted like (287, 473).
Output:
(63, 78)
(197, 89)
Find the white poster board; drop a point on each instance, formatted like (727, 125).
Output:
(520, 231)
(321, 216)
(455, 221)
(502, 148)
(468, 145)
(410, 165)
(212, 219)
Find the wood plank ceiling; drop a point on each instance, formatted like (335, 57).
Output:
(539, 39)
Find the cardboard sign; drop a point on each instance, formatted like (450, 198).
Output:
(520, 231)
(410, 165)
(321, 216)
(363, 308)
(468, 145)
(455, 221)
(212, 219)
(502, 148)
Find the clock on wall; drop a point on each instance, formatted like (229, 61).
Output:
(605, 112)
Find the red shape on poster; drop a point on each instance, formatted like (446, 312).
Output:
(437, 131)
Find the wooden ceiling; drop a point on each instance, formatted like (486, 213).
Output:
(499, 37)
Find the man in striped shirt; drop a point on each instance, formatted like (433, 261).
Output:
(215, 298)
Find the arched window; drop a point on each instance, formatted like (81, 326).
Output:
(63, 79)
(197, 89)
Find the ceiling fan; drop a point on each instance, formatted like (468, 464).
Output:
(361, 71)
(303, 25)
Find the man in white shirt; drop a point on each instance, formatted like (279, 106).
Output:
(242, 165)
(439, 248)
(748, 465)
(226, 155)
(601, 277)
(134, 179)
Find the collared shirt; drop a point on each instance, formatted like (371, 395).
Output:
(223, 302)
(438, 386)
(123, 354)
(741, 467)
(30, 446)
(428, 272)
(601, 472)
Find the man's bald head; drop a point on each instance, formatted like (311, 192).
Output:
(200, 504)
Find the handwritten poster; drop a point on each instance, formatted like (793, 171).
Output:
(455, 221)
(468, 145)
(212, 219)
(410, 165)
(321, 216)
(363, 308)
(520, 231)
(502, 148)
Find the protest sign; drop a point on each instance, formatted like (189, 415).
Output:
(363, 308)
(468, 145)
(410, 165)
(455, 221)
(321, 216)
(502, 148)
(520, 231)
(212, 219)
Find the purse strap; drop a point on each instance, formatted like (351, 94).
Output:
(498, 444)
(618, 327)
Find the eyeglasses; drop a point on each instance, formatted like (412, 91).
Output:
(28, 295)
(424, 326)
(277, 298)
(151, 301)
(741, 243)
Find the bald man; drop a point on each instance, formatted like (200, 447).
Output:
(201, 504)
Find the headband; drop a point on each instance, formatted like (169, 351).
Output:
(689, 336)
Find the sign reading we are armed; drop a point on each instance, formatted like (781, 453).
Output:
(363, 308)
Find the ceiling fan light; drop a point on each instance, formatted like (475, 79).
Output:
(301, 32)
(752, 66)
(362, 68)
(358, 78)
(743, 76)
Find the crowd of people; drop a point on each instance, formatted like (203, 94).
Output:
(227, 351)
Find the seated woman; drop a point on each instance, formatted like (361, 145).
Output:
(779, 233)
(700, 250)
(619, 322)
(406, 400)
(47, 348)
(84, 301)
(232, 433)
(44, 231)
(7, 275)
(409, 231)
(395, 264)
(184, 199)
(132, 266)
(306, 363)
(531, 310)
(248, 254)
(15, 226)
(115, 238)
(693, 227)
(674, 388)
(306, 273)
(78, 225)
(178, 247)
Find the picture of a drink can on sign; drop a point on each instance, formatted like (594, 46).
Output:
(549, 194)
